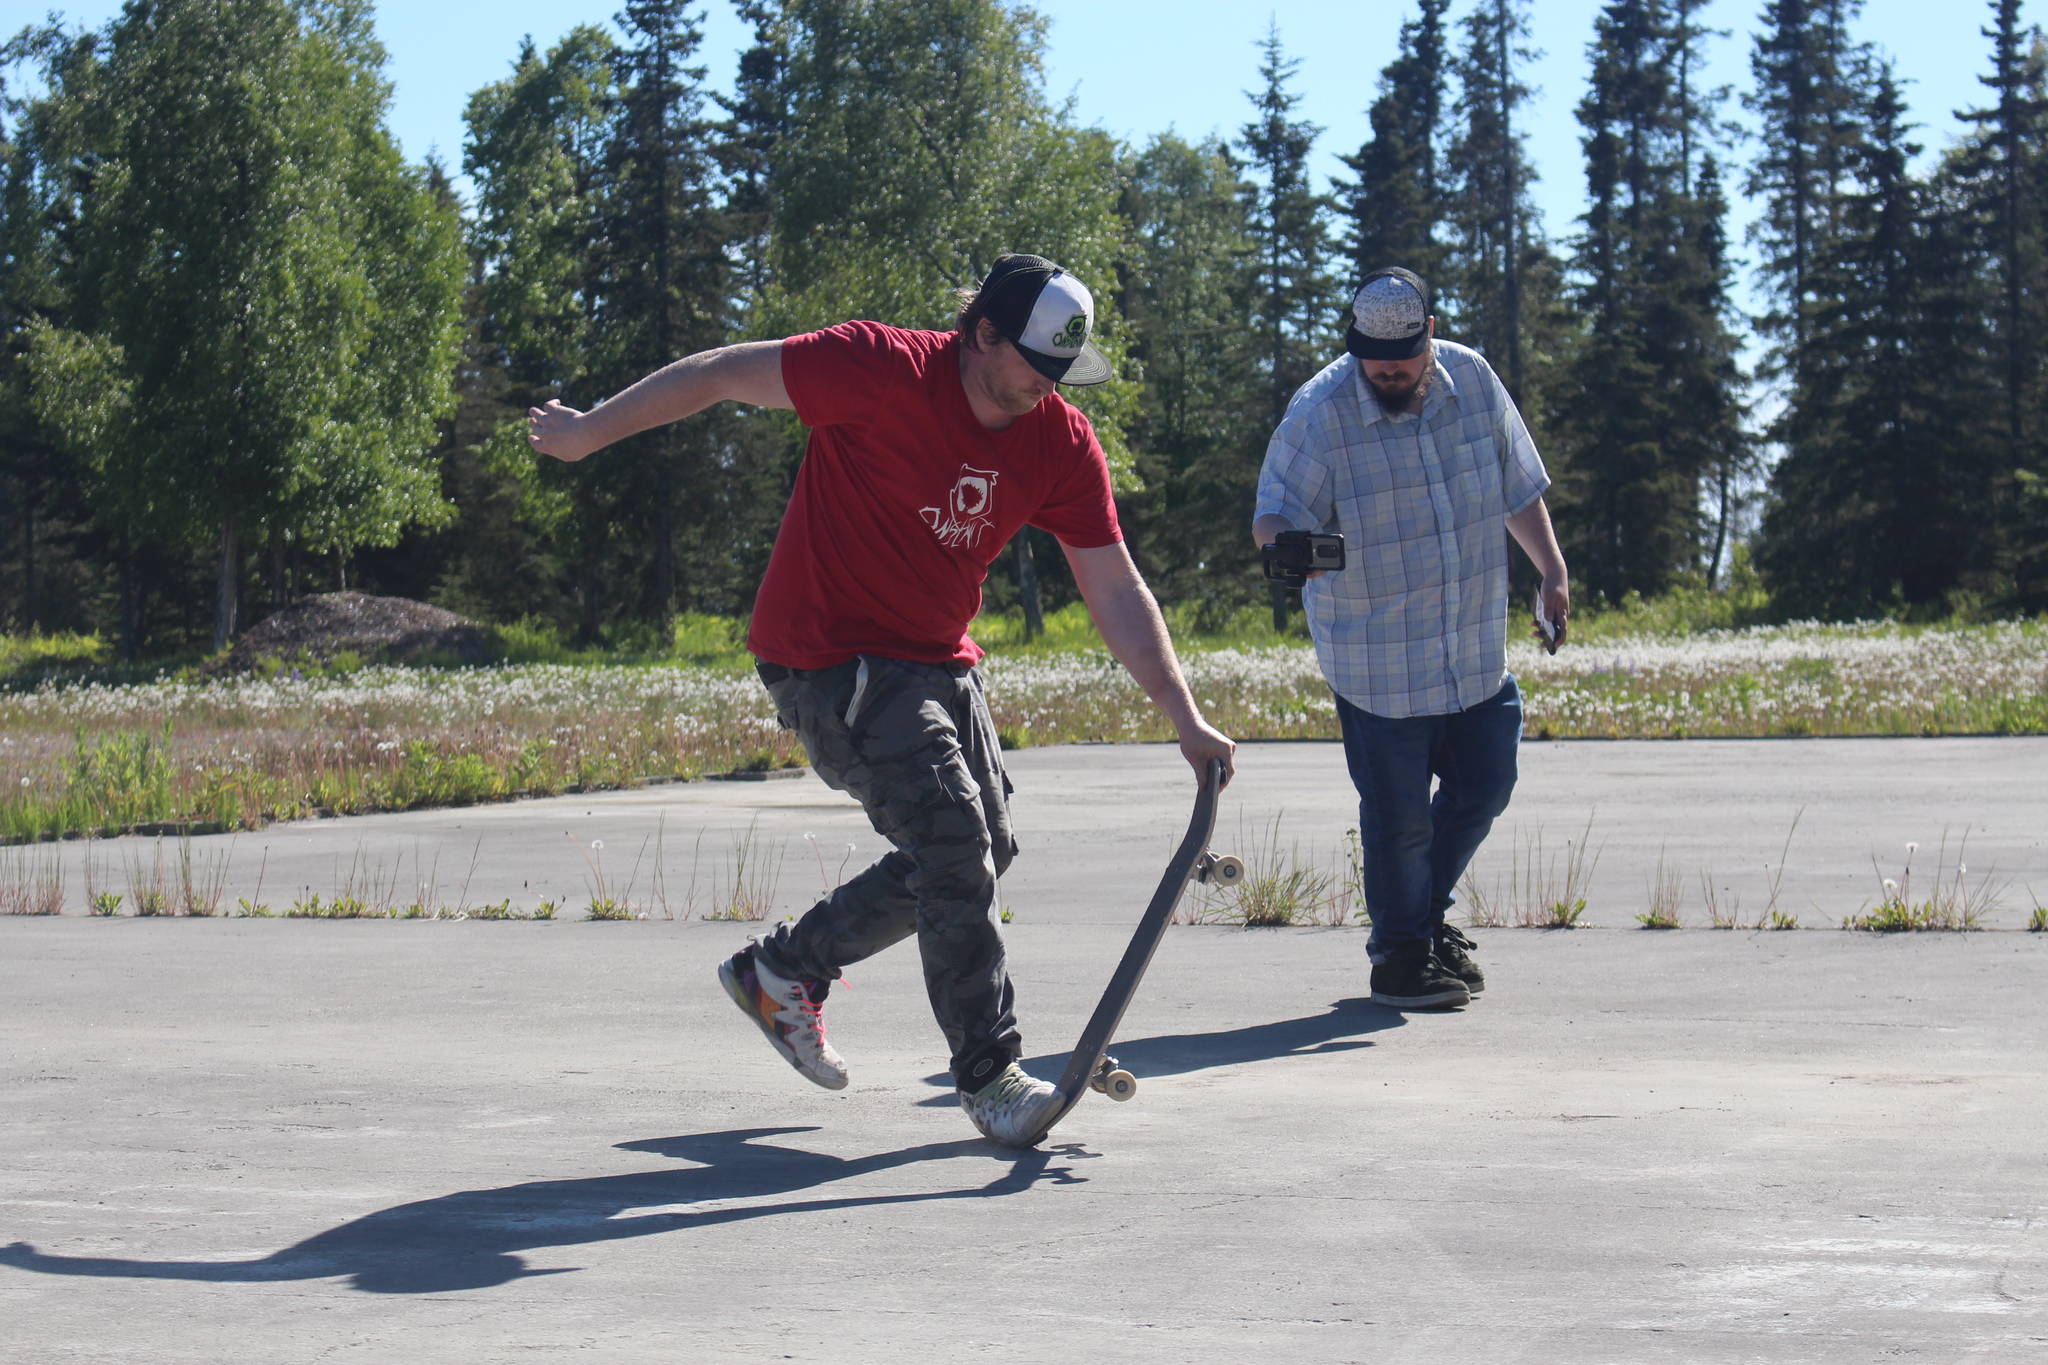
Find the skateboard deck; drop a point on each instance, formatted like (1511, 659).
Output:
(1090, 1066)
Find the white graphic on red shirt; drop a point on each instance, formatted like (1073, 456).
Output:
(960, 523)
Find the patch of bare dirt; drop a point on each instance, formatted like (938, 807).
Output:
(320, 628)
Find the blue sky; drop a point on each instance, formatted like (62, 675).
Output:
(1137, 67)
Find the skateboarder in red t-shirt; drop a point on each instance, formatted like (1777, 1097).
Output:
(928, 451)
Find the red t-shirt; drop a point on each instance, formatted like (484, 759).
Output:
(904, 499)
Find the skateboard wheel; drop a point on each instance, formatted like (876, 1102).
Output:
(1120, 1085)
(1227, 870)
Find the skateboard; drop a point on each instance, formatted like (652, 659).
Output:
(1090, 1067)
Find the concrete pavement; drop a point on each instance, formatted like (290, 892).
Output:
(465, 1141)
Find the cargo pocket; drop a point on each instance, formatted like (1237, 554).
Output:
(957, 783)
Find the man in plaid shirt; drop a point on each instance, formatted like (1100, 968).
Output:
(1411, 448)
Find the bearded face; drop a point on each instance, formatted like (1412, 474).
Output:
(1401, 385)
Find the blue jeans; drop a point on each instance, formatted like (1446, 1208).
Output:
(1416, 847)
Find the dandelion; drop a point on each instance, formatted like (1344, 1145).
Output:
(597, 844)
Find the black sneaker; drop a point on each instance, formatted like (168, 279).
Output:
(1454, 950)
(1412, 978)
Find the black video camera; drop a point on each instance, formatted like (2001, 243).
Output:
(1294, 555)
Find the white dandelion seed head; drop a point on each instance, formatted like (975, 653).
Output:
(597, 844)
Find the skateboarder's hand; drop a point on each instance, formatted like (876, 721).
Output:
(1200, 742)
(555, 430)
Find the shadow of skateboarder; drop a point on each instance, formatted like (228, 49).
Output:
(469, 1239)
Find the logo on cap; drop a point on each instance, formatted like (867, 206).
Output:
(1047, 315)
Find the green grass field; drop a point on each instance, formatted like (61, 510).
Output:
(87, 746)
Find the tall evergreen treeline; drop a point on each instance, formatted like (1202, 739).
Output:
(246, 351)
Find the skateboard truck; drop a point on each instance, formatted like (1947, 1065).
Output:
(1112, 1080)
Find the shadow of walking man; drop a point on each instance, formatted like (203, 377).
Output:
(469, 1239)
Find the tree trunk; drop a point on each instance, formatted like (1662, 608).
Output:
(1027, 585)
(589, 597)
(280, 589)
(131, 605)
(228, 587)
(664, 586)
(29, 614)
(1722, 481)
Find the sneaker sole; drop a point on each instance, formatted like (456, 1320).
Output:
(737, 989)
(1434, 1000)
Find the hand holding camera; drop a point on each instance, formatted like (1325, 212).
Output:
(1296, 556)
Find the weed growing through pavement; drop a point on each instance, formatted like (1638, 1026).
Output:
(1955, 903)
(1281, 886)
(149, 892)
(756, 872)
(367, 890)
(1728, 914)
(603, 904)
(2037, 923)
(1486, 909)
(826, 884)
(33, 883)
(253, 906)
(660, 865)
(202, 882)
(1537, 892)
(99, 902)
(426, 887)
(1666, 889)
(1719, 916)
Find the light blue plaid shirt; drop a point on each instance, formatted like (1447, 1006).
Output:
(1415, 624)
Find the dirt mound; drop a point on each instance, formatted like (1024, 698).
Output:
(321, 628)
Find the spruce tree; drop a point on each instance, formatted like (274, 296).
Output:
(1999, 172)
(1651, 395)
(666, 289)
(536, 151)
(1872, 507)
(1497, 264)
(1391, 210)
(1288, 223)
(1806, 99)
(1191, 288)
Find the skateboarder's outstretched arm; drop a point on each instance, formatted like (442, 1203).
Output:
(1128, 618)
(750, 372)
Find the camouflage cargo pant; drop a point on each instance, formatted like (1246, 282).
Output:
(915, 745)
